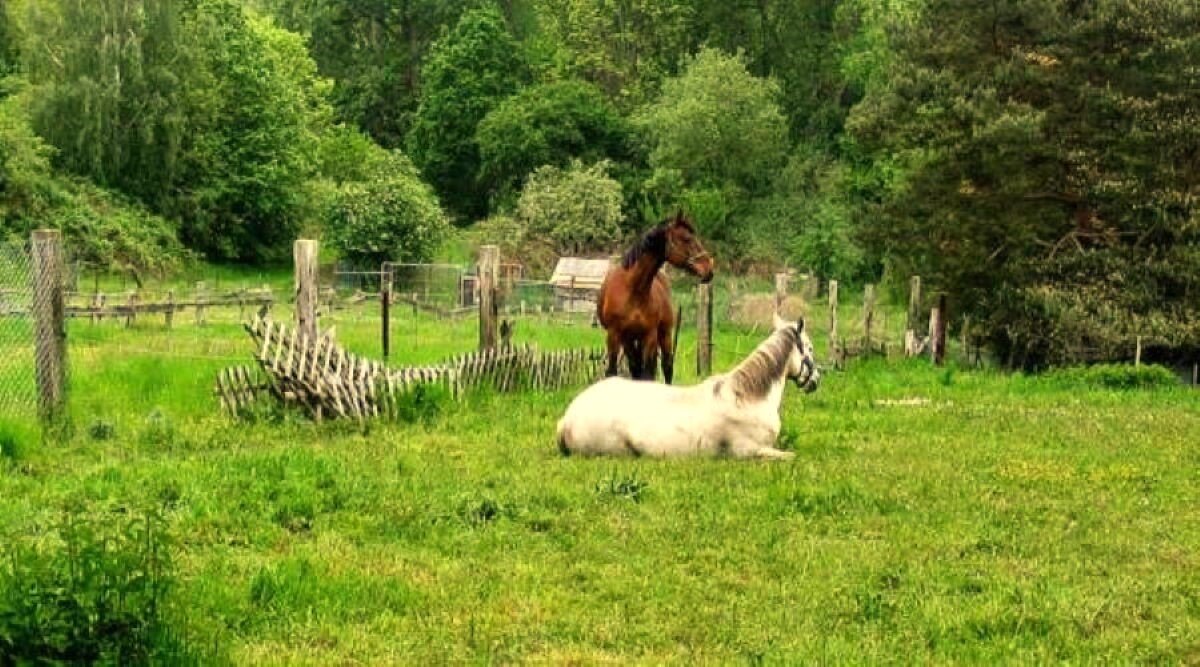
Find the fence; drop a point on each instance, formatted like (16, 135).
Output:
(18, 387)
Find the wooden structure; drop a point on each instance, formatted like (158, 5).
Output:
(320, 377)
(576, 283)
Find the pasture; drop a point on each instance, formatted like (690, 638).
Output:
(930, 515)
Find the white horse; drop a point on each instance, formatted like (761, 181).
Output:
(735, 414)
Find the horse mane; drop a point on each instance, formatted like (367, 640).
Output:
(753, 378)
(653, 241)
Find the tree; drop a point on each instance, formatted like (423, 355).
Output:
(551, 124)
(257, 132)
(201, 111)
(717, 125)
(1046, 170)
(469, 71)
(391, 215)
(626, 47)
(373, 50)
(572, 211)
(9, 58)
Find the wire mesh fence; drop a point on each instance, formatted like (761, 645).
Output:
(18, 380)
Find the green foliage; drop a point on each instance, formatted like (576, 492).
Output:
(257, 134)
(17, 439)
(574, 211)
(1114, 376)
(717, 124)
(102, 229)
(392, 215)
(97, 593)
(469, 72)
(373, 50)
(1039, 148)
(625, 48)
(199, 110)
(9, 43)
(548, 124)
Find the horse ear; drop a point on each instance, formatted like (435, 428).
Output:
(799, 326)
(678, 216)
(778, 322)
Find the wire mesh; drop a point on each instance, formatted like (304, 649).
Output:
(18, 384)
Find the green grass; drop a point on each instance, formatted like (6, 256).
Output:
(997, 519)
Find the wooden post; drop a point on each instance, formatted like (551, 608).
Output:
(937, 332)
(304, 256)
(385, 313)
(833, 320)
(1195, 374)
(781, 290)
(49, 322)
(704, 310)
(169, 313)
(911, 337)
(489, 263)
(132, 303)
(1137, 353)
(200, 299)
(868, 316)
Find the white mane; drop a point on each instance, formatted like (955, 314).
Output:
(733, 414)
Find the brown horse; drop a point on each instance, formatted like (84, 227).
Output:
(634, 305)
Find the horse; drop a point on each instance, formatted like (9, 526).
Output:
(735, 414)
(634, 304)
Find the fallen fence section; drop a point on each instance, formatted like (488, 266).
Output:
(328, 382)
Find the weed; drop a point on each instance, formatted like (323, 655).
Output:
(101, 430)
(1114, 376)
(628, 486)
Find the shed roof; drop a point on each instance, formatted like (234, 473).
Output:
(588, 273)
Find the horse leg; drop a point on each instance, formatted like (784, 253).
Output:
(668, 352)
(613, 343)
(633, 355)
(650, 357)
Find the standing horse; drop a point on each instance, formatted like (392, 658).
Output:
(634, 305)
(735, 414)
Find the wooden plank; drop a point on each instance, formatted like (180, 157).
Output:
(489, 262)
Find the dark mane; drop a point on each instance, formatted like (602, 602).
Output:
(753, 378)
(653, 241)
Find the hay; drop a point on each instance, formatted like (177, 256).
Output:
(757, 309)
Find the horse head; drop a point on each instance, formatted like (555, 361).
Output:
(684, 250)
(802, 366)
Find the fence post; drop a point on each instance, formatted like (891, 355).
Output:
(201, 291)
(489, 265)
(385, 311)
(833, 321)
(304, 256)
(868, 316)
(169, 313)
(704, 310)
(1137, 353)
(937, 332)
(781, 290)
(50, 332)
(911, 346)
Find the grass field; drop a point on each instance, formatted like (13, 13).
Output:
(996, 518)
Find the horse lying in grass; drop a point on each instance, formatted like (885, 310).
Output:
(735, 414)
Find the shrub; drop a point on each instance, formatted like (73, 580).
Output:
(96, 593)
(390, 216)
(576, 209)
(1115, 376)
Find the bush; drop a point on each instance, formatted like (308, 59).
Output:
(390, 216)
(96, 593)
(576, 210)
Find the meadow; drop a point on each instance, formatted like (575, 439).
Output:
(941, 515)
